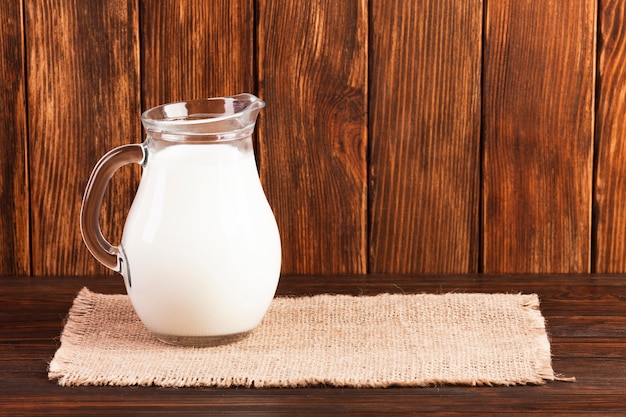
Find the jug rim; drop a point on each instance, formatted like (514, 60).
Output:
(220, 118)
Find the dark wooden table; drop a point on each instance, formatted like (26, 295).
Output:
(586, 319)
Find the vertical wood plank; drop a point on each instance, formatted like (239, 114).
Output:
(14, 203)
(83, 99)
(538, 135)
(610, 184)
(312, 63)
(425, 136)
(196, 48)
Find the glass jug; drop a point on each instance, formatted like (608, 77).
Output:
(200, 251)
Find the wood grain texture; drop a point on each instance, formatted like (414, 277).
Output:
(370, 145)
(538, 135)
(425, 136)
(610, 182)
(14, 197)
(312, 65)
(585, 317)
(195, 48)
(83, 99)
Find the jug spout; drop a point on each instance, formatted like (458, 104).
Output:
(245, 107)
(249, 103)
(214, 119)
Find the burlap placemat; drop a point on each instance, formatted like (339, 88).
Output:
(365, 341)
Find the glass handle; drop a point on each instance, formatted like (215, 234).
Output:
(109, 255)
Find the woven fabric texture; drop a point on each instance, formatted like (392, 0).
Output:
(337, 340)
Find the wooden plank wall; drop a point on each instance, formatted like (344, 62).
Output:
(538, 107)
(400, 136)
(14, 188)
(424, 136)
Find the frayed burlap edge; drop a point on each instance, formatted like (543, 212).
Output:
(78, 322)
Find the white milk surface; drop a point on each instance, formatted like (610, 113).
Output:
(201, 242)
